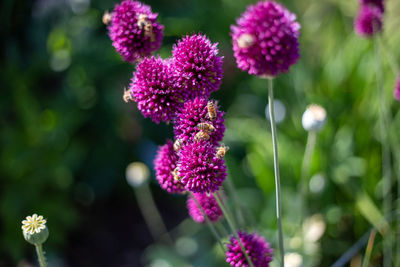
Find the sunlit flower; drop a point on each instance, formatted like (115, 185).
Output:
(200, 169)
(134, 31)
(154, 89)
(378, 3)
(258, 250)
(165, 165)
(199, 66)
(192, 113)
(265, 40)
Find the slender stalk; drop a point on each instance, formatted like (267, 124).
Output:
(239, 214)
(40, 254)
(368, 250)
(209, 223)
(386, 165)
(276, 168)
(151, 214)
(222, 229)
(232, 226)
(389, 55)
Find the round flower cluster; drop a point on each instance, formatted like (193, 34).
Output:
(165, 164)
(265, 40)
(199, 66)
(208, 204)
(155, 90)
(368, 21)
(259, 250)
(194, 114)
(133, 29)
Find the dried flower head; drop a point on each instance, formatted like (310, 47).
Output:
(154, 89)
(199, 66)
(314, 118)
(256, 247)
(396, 92)
(34, 229)
(192, 114)
(165, 164)
(265, 39)
(200, 168)
(131, 39)
(368, 21)
(209, 205)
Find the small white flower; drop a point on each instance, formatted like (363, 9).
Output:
(33, 224)
(314, 118)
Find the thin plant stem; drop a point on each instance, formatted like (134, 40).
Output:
(386, 165)
(40, 254)
(232, 226)
(276, 169)
(239, 214)
(389, 55)
(209, 223)
(151, 214)
(368, 250)
(222, 229)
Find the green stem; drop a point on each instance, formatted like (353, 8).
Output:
(368, 250)
(232, 226)
(151, 214)
(40, 254)
(389, 55)
(210, 225)
(386, 165)
(276, 168)
(239, 214)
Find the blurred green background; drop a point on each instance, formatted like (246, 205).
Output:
(66, 136)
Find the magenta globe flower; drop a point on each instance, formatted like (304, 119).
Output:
(368, 21)
(265, 39)
(200, 169)
(194, 112)
(134, 31)
(200, 67)
(209, 205)
(259, 250)
(377, 3)
(164, 165)
(396, 92)
(154, 89)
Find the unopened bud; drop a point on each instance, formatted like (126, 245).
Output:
(314, 118)
(137, 173)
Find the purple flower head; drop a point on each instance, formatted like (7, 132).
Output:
(265, 40)
(134, 31)
(154, 89)
(209, 205)
(196, 111)
(165, 164)
(368, 21)
(195, 58)
(377, 3)
(396, 92)
(256, 247)
(201, 171)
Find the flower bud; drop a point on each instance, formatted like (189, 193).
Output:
(137, 173)
(34, 229)
(314, 118)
